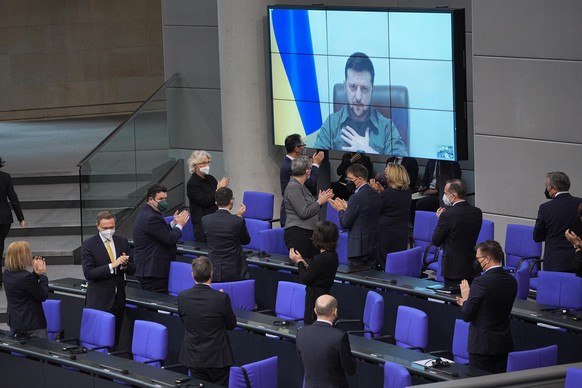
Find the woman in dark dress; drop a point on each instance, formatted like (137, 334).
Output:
(396, 200)
(318, 276)
(201, 190)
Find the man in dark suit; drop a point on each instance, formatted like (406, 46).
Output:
(456, 232)
(155, 240)
(554, 218)
(487, 305)
(434, 173)
(106, 258)
(324, 350)
(294, 147)
(206, 314)
(361, 217)
(226, 234)
(7, 193)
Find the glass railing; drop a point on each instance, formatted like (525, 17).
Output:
(117, 173)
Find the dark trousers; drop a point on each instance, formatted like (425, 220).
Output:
(212, 375)
(364, 261)
(154, 284)
(429, 204)
(199, 232)
(300, 239)
(118, 310)
(4, 229)
(494, 363)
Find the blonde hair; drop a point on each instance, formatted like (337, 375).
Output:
(18, 256)
(397, 176)
(197, 157)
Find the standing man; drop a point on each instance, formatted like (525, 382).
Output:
(554, 218)
(106, 258)
(457, 231)
(324, 350)
(294, 146)
(207, 315)
(487, 305)
(361, 217)
(155, 241)
(226, 234)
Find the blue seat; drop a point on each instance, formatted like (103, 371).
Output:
(411, 328)
(520, 247)
(97, 330)
(396, 376)
(260, 374)
(254, 227)
(290, 302)
(424, 226)
(460, 340)
(522, 277)
(150, 343)
(573, 378)
(487, 232)
(373, 317)
(259, 205)
(332, 215)
(342, 248)
(52, 313)
(531, 359)
(187, 230)
(241, 293)
(180, 277)
(272, 241)
(559, 289)
(408, 262)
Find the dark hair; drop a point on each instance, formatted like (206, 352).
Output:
(559, 180)
(2, 162)
(458, 187)
(104, 215)
(492, 249)
(360, 62)
(156, 188)
(325, 236)
(201, 269)
(291, 142)
(358, 171)
(223, 196)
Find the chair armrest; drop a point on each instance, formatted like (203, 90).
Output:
(533, 264)
(101, 347)
(152, 361)
(416, 348)
(534, 258)
(267, 311)
(439, 352)
(118, 352)
(75, 340)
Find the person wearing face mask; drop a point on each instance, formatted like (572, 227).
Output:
(155, 241)
(456, 232)
(201, 188)
(554, 218)
(487, 304)
(106, 258)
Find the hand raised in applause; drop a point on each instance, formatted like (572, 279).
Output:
(338, 204)
(440, 211)
(324, 196)
(317, 157)
(38, 265)
(22, 224)
(242, 210)
(296, 257)
(573, 238)
(224, 182)
(376, 185)
(182, 217)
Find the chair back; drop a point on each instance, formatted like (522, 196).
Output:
(411, 328)
(180, 277)
(396, 376)
(97, 330)
(254, 227)
(522, 278)
(531, 359)
(332, 215)
(261, 374)
(342, 248)
(241, 293)
(150, 342)
(424, 226)
(373, 319)
(52, 313)
(290, 302)
(460, 340)
(272, 241)
(559, 289)
(408, 262)
(487, 231)
(259, 205)
(187, 230)
(573, 378)
(519, 244)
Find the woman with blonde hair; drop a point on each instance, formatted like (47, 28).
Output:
(25, 291)
(396, 200)
(201, 190)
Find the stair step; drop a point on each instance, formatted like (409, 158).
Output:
(55, 249)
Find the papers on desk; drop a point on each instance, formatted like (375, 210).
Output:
(417, 195)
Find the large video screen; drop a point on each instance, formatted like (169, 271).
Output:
(379, 81)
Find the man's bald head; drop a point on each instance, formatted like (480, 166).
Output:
(325, 307)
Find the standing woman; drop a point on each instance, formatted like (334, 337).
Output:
(302, 211)
(318, 276)
(201, 190)
(7, 193)
(396, 200)
(25, 291)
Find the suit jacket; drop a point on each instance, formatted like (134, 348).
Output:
(300, 207)
(226, 234)
(318, 279)
(285, 175)
(7, 193)
(488, 308)
(155, 243)
(201, 194)
(428, 175)
(554, 217)
(207, 315)
(104, 285)
(25, 292)
(326, 355)
(457, 232)
(361, 218)
(393, 223)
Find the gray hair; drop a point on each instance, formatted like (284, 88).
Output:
(300, 165)
(197, 157)
(559, 180)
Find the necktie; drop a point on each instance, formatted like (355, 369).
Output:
(109, 251)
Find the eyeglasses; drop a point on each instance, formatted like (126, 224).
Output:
(301, 146)
(206, 163)
(481, 257)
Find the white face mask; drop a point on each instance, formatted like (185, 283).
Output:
(107, 233)
(446, 200)
(205, 170)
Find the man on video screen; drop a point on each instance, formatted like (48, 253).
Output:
(359, 127)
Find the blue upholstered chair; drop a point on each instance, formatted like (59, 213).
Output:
(522, 277)
(531, 359)
(272, 241)
(373, 318)
(260, 374)
(487, 231)
(254, 227)
(97, 330)
(180, 277)
(150, 343)
(396, 376)
(332, 215)
(424, 226)
(559, 289)
(342, 248)
(520, 247)
(52, 313)
(411, 328)
(259, 205)
(241, 293)
(290, 302)
(460, 340)
(573, 378)
(408, 262)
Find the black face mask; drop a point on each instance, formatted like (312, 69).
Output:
(351, 186)
(547, 194)
(477, 267)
